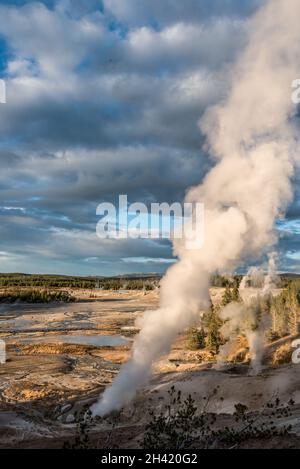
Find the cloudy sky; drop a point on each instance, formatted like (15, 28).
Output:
(104, 98)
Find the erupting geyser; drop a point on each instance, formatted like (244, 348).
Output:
(253, 139)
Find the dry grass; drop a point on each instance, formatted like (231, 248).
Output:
(283, 355)
(240, 351)
(54, 349)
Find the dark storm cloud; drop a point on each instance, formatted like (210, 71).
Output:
(104, 98)
(74, 81)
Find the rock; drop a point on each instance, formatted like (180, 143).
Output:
(70, 418)
(65, 408)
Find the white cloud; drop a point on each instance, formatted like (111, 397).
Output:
(102, 103)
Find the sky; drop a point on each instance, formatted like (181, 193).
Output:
(104, 98)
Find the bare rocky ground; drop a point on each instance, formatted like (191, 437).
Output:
(62, 356)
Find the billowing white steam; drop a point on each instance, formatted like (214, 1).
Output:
(251, 316)
(253, 140)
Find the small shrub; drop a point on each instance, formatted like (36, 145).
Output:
(84, 423)
(196, 339)
(182, 425)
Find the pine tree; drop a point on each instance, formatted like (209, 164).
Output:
(227, 297)
(236, 293)
(196, 339)
(286, 310)
(213, 325)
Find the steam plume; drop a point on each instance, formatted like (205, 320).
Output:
(251, 317)
(253, 140)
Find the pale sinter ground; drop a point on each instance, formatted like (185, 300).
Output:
(62, 356)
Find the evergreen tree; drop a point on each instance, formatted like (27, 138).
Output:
(227, 297)
(285, 310)
(236, 293)
(196, 339)
(213, 325)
